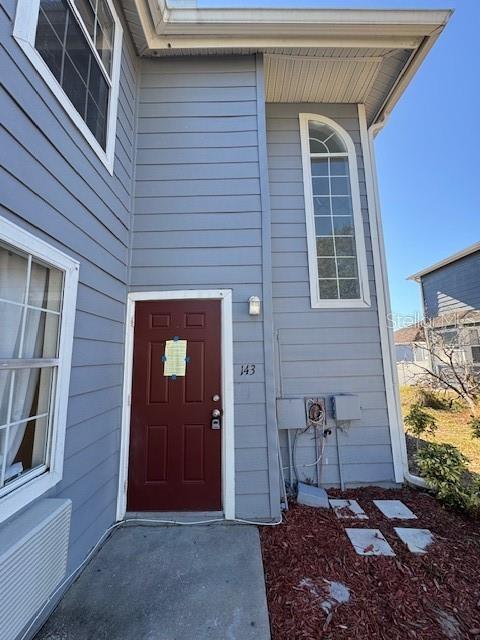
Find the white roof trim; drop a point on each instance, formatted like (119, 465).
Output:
(182, 21)
(179, 24)
(453, 258)
(423, 22)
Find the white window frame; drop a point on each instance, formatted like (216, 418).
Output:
(316, 301)
(24, 31)
(39, 481)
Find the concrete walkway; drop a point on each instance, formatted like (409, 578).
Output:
(168, 583)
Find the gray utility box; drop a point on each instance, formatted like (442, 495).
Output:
(346, 407)
(291, 413)
(312, 496)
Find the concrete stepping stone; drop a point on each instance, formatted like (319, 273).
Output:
(369, 542)
(417, 540)
(348, 509)
(394, 510)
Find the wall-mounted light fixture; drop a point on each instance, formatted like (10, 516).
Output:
(254, 306)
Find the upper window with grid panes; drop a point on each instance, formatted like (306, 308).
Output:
(334, 222)
(75, 44)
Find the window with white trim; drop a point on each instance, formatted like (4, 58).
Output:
(37, 309)
(336, 245)
(76, 46)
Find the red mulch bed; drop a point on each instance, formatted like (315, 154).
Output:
(429, 597)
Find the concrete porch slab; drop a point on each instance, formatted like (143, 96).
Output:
(168, 583)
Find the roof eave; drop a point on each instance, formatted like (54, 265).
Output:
(169, 26)
(412, 21)
(404, 78)
(473, 248)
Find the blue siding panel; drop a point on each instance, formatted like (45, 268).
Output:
(321, 352)
(55, 186)
(198, 223)
(454, 287)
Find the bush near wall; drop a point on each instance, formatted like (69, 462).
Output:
(434, 433)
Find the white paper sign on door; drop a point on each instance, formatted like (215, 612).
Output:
(175, 358)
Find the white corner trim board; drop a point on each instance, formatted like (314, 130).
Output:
(397, 437)
(24, 30)
(39, 481)
(228, 442)
(316, 301)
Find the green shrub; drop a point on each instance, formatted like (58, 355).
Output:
(474, 424)
(472, 502)
(432, 399)
(419, 422)
(443, 468)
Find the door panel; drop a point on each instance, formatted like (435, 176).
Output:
(175, 455)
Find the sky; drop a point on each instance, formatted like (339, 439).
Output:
(427, 155)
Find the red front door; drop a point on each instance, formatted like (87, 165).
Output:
(175, 455)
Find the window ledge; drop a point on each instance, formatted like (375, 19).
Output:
(24, 495)
(340, 304)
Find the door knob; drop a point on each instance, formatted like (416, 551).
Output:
(216, 413)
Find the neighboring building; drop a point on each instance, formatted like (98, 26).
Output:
(411, 354)
(451, 285)
(173, 174)
(410, 343)
(450, 291)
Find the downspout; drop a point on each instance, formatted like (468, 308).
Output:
(378, 122)
(396, 408)
(390, 369)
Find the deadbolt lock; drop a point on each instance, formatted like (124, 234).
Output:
(216, 424)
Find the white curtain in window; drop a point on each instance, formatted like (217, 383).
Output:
(13, 280)
(27, 380)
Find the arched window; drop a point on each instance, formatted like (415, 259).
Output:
(336, 245)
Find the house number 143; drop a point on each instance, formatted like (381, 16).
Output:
(247, 370)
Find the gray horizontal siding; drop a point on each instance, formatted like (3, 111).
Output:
(185, 239)
(454, 287)
(198, 109)
(54, 185)
(321, 352)
(197, 221)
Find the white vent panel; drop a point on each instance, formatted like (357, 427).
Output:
(314, 79)
(33, 561)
